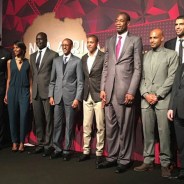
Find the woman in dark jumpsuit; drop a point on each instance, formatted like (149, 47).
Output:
(18, 95)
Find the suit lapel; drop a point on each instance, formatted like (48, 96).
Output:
(96, 60)
(44, 59)
(68, 65)
(85, 64)
(157, 62)
(125, 45)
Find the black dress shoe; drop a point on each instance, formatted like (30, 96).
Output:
(99, 160)
(120, 168)
(37, 150)
(84, 157)
(180, 176)
(106, 164)
(66, 157)
(56, 155)
(47, 152)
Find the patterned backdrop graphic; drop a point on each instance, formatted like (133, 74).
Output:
(97, 15)
(97, 18)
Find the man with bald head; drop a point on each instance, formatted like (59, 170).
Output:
(159, 67)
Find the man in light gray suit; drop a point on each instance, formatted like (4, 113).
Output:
(120, 80)
(41, 65)
(159, 67)
(65, 92)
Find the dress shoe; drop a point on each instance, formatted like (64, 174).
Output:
(66, 157)
(99, 160)
(166, 171)
(47, 152)
(121, 168)
(181, 175)
(144, 167)
(56, 155)
(106, 164)
(84, 157)
(37, 150)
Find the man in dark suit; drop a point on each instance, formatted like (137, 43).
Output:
(92, 64)
(41, 65)
(174, 44)
(65, 92)
(120, 80)
(176, 114)
(5, 55)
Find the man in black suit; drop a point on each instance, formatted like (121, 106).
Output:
(5, 55)
(92, 64)
(177, 45)
(174, 44)
(176, 114)
(41, 66)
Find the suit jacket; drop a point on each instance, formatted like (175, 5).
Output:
(92, 80)
(177, 95)
(67, 85)
(41, 76)
(159, 80)
(170, 44)
(122, 75)
(5, 55)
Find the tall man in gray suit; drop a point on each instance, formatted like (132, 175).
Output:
(41, 65)
(65, 92)
(92, 64)
(120, 80)
(159, 67)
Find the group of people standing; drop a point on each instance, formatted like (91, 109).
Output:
(107, 84)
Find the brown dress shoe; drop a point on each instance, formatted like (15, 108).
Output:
(144, 167)
(166, 171)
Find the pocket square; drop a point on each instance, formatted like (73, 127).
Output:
(3, 58)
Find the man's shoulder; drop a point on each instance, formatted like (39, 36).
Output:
(171, 40)
(169, 51)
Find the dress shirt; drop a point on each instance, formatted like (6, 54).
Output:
(177, 47)
(122, 40)
(42, 54)
(67, 57)
(91, 59)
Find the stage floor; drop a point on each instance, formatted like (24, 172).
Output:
(21, 168)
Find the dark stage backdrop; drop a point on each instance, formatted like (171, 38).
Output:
(23, 19)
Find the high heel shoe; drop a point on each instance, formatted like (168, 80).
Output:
(21, 148)
(14, 147)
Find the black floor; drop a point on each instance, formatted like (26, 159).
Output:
(21, 168)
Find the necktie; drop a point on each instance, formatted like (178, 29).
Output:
(118, 46)
(38, 59)
(181, 51)
(65, 60)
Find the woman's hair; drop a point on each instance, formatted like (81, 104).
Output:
(22, 46)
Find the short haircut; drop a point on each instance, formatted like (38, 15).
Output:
(68, 39)
(43, 34)
(180, 17)
(125, 14)
(93, 36)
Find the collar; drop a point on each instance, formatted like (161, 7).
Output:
(158, 49)
(68, 56)
(43, 50)
(93, 55)
(122, 35)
